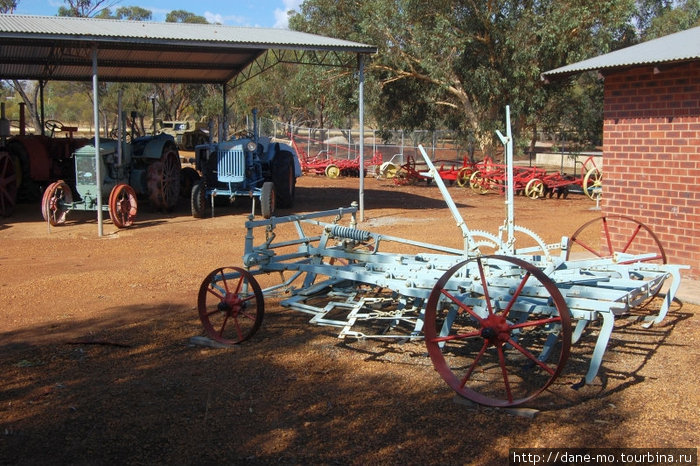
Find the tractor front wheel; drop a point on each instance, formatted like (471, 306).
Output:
(267, 199)
(198, 199)
(122, 205)
(56, 202)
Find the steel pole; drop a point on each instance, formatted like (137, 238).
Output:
(96, 116)
(361, 91)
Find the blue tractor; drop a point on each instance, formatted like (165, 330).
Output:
(246, 165)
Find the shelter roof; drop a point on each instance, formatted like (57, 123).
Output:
(61, 48)
(679, 47)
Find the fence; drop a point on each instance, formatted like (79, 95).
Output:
(344, 143)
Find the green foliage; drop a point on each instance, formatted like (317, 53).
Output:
(8, 6)
(84, 8)
(684, 16)
(182, 16)
(133, 13)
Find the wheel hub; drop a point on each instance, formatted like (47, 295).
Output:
(231, 304)
(495, 329)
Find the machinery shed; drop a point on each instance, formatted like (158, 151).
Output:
(48, 48)
(62, 48)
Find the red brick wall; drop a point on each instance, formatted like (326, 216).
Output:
(651, 155)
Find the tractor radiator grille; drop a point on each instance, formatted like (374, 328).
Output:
(231, 166)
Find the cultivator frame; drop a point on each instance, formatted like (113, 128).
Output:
(498, 327)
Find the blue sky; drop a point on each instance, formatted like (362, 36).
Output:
(256, 13)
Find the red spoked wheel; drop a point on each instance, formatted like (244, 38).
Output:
(8, 184)
(231, 305)
(618, 237)
(498, 331)
(621, 239)
(56, 202)
(122, 205)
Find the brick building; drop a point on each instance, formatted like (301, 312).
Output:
(651, 139)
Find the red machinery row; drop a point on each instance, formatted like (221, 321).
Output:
(486, 176)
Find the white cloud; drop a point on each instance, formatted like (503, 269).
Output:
(221, 19)
(282, 15)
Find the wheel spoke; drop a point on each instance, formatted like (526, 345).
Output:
(461, 336)
(515, 295)
(586, 247)
(474, 364)
(607, 236)
(530, 356)
(463, 306)
(223, 325)
(504, 371)
(487, 299)
(536, 323)
(631, 240)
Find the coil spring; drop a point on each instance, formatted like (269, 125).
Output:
(350, 233)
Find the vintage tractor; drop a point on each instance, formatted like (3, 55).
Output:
(186, 137)
(245, 166)
(149, 166)
(43, 158)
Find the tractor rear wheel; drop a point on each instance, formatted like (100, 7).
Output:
(284, 179)
(8, 184)
(164, 179)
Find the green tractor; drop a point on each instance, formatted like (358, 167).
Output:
(148, 166)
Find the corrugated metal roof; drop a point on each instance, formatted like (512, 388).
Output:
(60, 48)
(678, 47)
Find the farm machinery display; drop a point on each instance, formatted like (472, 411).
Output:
(59, 169)
(147, 166)
(498, 316)
(247, 165)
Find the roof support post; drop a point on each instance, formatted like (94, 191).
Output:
(361, 98)
(96, 116)
(224, 125)
(42, 118)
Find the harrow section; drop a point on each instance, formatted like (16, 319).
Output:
(498, 327)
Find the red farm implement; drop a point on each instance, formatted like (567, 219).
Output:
(407, 172)
(329, 158)
(537, 183)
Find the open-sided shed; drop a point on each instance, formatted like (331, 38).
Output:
(48, 48)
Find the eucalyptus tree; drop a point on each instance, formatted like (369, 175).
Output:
(457, 63)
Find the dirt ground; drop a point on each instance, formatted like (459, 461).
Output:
(98, 367)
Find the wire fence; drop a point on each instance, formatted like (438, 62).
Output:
(384, 145)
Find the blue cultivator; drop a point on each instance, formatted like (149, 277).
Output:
(498, 317)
